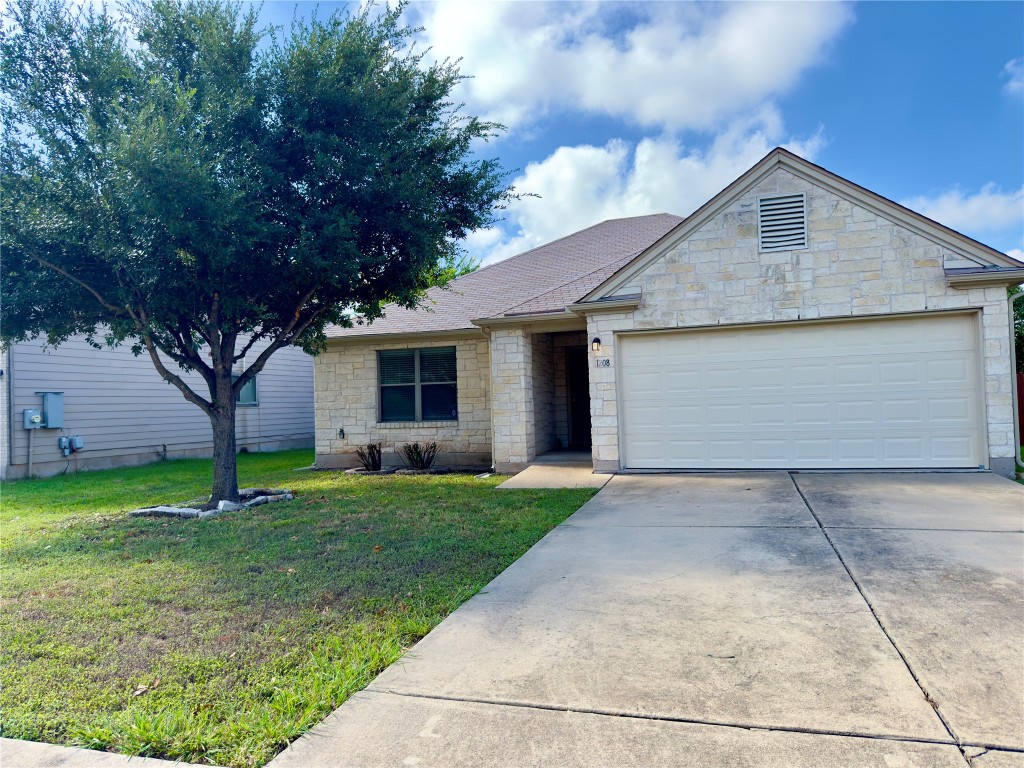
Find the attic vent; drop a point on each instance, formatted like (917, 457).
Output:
(782, 222)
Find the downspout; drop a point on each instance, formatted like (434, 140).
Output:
(1013, 380)
(9, 375)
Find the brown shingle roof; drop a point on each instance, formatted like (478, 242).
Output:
(544, 279)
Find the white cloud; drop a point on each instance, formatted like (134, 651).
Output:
(582, 185)
(990, 215)
(1014, 74)
(672, 66)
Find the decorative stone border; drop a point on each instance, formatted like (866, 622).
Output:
(254, 498)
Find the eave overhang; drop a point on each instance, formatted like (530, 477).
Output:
(540, 322)
(611, 304)
(988, 276)
(373, 338)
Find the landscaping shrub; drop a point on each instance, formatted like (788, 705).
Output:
(419, 456)
(370, 457)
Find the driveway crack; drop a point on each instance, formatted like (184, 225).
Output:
(881, 625)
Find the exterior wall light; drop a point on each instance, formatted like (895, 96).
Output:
(596, 344)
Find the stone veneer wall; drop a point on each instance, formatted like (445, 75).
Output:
(857, 265)
(345, 383)
(512, 422)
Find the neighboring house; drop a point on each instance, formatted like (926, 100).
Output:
(126, 414)
(795, 320)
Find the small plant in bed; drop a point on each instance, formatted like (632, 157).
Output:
(370, 457)
(419, 457)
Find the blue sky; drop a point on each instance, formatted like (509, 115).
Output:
(620, 109)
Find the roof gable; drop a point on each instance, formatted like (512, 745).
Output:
(968, 250)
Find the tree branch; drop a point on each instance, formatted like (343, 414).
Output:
(96, 294)
(177, 381)
(288, 334)
(249, 345)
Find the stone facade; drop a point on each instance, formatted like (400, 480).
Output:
(512, 398)
(857, 264)
(346, 398)
(529, 408)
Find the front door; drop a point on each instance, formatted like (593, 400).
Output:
(577, 364)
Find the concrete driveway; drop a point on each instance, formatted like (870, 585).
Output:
(762, 619)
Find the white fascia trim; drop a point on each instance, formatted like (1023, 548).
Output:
(560, 316)
(412, 336)
(605, 305)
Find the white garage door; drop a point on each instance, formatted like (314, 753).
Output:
(854, 394)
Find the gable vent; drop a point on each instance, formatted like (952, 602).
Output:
(782, 222)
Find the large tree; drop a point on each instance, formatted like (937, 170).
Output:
(176, 179)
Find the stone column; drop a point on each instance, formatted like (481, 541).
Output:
(604, 404)
(512, 415)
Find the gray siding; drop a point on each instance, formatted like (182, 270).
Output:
(127, 414)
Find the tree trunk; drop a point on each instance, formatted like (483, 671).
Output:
(225, 468)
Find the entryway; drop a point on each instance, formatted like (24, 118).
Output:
(577, 368)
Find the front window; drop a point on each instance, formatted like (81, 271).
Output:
(418, 384)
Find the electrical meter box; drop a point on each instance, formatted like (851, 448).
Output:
(33, 418)
(53, 409)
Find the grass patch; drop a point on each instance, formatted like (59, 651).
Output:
(221, 640)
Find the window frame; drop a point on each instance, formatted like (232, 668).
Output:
(255, 392)
(417, 384)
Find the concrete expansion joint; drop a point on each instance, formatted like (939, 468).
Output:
(669, 718)
(878, 620)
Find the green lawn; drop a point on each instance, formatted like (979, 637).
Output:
(221, 640)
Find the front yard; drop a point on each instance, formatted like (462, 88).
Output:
(221, 640)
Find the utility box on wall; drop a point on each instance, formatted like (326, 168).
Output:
(53, 409)
(33, 418)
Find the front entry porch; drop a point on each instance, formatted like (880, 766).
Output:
(540, 399)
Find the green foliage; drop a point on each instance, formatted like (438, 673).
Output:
(221, 640)
(1018, 325)
(178, 181)
(456, 266)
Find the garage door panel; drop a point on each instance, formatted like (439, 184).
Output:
(682, 382)
(951, 448)
(769, 415)
(812, 414)
(811, 376)
(725, 416)
(948, 410)
(854, 374)
(775, 377)
(855, 412)
(948, 370)
(902, 372)
(852, 394)
(902, 411)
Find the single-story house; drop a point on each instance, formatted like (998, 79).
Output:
(796, 320)
(125, 413)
